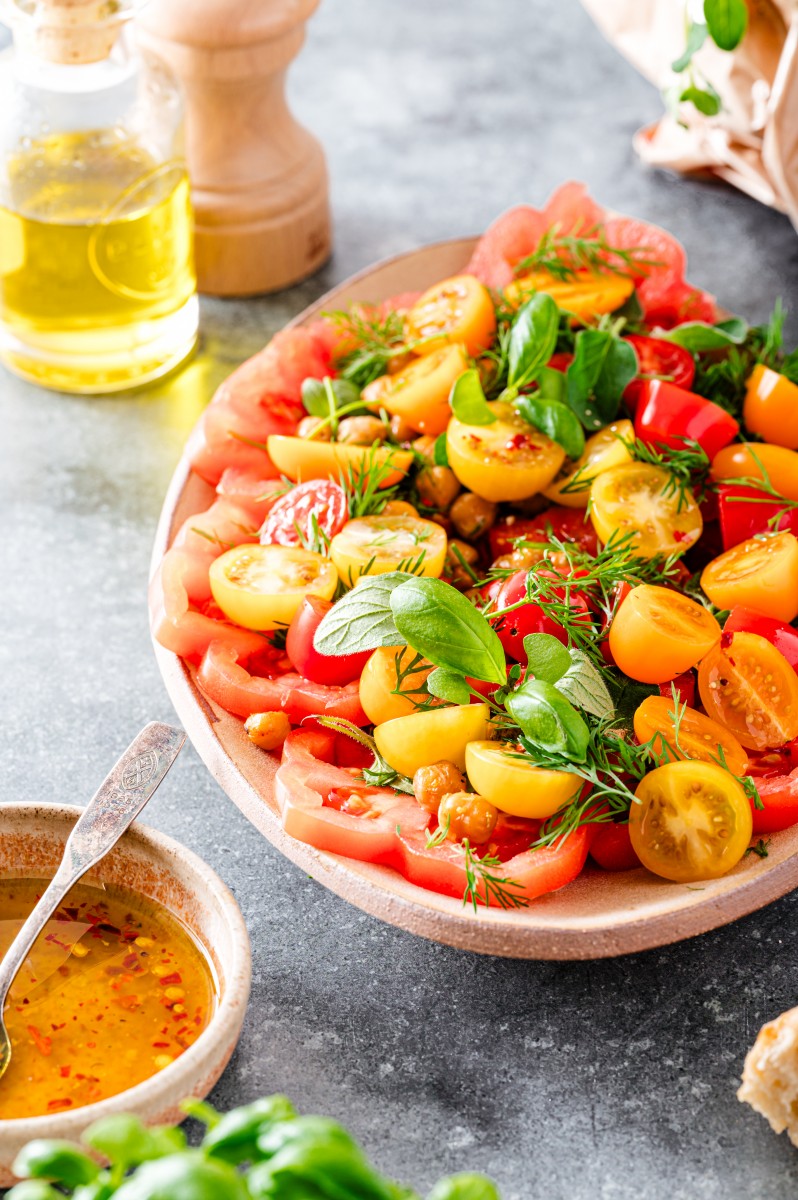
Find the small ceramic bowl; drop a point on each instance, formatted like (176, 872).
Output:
(32, 839)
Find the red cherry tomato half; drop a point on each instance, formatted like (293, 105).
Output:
(657, 359)
(293, 513)
(531, 617)
(566, 524)
(668, 416)
(685, 688)
(779, 795)
(305, 658)
(560, 362)
(745, 512)
(784, 637)
(611, 847)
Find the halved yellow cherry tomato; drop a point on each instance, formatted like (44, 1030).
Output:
(588, 294)
(693, 821)
(761, 573)
(640, 499)
(747, 685)
(508, 460)
(603, 450)
(423, 738)
(374, 545)
(770, 408)
(459, 309)
(757, 460)
(698, 736)
(391, 682)
(301, 459)
(261, 587)
(516, 786)
(658, 633)
(419, 393)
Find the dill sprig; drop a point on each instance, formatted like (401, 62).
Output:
(379, 338)
(761, 483)
(687, 468)
(420, 696)
(563, 255)
(484, 884)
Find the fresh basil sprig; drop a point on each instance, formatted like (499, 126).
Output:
(602, 367)
(570, 671)
(438, 622)
(533, 339)
(316, 396)
(551, 416)
(699, 337)
(468, 402)
(548, 720)
(448, 685)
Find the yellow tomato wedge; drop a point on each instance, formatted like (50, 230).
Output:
(508, 460)
(748, 686)
(375, 545)
(698, 737)
(761, 573)
(758, 460)
(640, 499)
(516, 786)
(459, 309)
(391, 683)
(423, 738)
(261, 587)
(301, 459)
(658, 633)
(419, 393)
(770, 408)
(603, 450)
(692, 821)
(587, 294)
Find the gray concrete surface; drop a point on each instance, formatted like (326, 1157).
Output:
(565, 1082)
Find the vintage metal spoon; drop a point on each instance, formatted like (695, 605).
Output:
(112, 809)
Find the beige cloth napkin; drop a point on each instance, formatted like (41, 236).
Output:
(753, 142)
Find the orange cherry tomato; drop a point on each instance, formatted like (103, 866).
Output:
(761, 573)
(657, 634)
(459, 309)
(640, 499)
(748, 686)
(698, 737)
(770, 408)
(419, 393)
(758, 460)
(587, 294)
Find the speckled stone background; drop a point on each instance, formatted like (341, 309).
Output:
(565, 1082)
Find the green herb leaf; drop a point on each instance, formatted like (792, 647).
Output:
(699, 337)
(627, 696)
(549, 720)
(583, 685)
(727, 21)
(316, 399)
(448, 685)
(554, 419)
(440, 456)
(696, 36)
(603, 365)
(438, 622)
(547, 658)
(122, 1139)
(468, 400)
(362, 619)
(379, 774)
(533, 339)
(705, 99)
(57, 1161)
(789, 366)
(464, 1187)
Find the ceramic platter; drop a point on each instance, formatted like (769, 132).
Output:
(599, 915)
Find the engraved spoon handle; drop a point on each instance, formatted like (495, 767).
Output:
(112, 809)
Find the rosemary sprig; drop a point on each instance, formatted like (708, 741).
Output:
(563, 255)
(365, 497)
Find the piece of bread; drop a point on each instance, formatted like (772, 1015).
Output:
(770, 1074)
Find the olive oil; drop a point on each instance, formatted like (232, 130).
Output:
(97, 284)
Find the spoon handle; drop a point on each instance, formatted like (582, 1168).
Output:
(112, 809)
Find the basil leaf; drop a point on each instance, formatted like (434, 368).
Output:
(440, 456)
(727, 21)
(468, 400)
(603, 365)
(631, 310)
(533, 338)
(448, 685)
(362, 618)
(696, 36)
(551, 384)
(438, 622)
(549, 720)
(583, 685)
(697, 336)
(706, 100)
(316, 400)
(464, 1187)
(547, 658)
(554, 419)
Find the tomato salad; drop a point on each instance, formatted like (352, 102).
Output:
(509, 570)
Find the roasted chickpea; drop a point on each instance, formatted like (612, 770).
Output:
(472, 516)
(432, 783)
(437, 487)
(267, 730)
(312, 429)
(399, 508)
(468, 816)
(425, 446)
(400, 430)
(459, 557)
(361, 431)
(518, 559)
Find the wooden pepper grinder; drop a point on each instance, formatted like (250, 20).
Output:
(259, 180)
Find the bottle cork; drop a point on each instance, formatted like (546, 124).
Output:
(259, 180)
(70, 31)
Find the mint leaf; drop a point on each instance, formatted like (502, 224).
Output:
(448, 685)
(362, 619)
(583, 685)
(468, 402)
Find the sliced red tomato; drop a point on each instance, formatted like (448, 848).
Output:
(681, 302)
(225, 679)
(531, 617)
(612, 848)
(323, 806)
(779, 794)
(320, 502)
(658, 359)
(250, 492)
(784, 637)
(668, 416)
(180, 627)
(319, 668)
(570, 210)
(685, 685)
(566, 524)
(746, 512)
(665, 258)
(511, 237)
